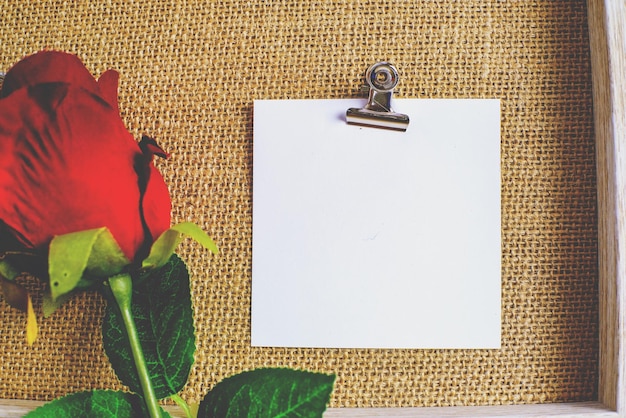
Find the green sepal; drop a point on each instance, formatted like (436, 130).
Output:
(14, 293)
(164, 246)
(17, 297)
(268, 393)
(7, 271)
(94, 404)
(79, 259)
(49, 305)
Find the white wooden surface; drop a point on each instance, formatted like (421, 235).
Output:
(607, 23)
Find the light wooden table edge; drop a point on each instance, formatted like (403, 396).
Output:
(607, 27)
(17, 408)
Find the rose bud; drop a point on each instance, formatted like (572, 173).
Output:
(67, 162)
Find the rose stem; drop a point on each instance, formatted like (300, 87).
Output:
(182, 404)
(122, 288)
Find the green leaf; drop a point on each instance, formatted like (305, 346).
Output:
(94, 404)
(161, 307)
(265, 393)
(93, 253)
(164, 246)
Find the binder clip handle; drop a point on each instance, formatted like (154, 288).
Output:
(381, 78)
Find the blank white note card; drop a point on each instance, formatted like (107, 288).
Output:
(370, 238)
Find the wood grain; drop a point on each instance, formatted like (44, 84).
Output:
(607, 20)
(17, 408)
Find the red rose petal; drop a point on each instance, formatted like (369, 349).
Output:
(67, 163)
(108, 87)
(156, 204)
(48, 67)
(67, 170)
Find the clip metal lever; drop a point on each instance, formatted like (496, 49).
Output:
(382, 78)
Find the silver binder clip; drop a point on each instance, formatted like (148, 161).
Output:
(381, 79)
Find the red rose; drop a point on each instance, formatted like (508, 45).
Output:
(68, 164)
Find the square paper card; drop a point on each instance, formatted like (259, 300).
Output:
(370, 238)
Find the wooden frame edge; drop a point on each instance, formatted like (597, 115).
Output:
(607, 22)
(607, 29)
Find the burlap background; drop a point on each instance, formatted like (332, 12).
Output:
(189, 73)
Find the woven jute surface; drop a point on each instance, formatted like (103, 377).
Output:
(190, 71)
